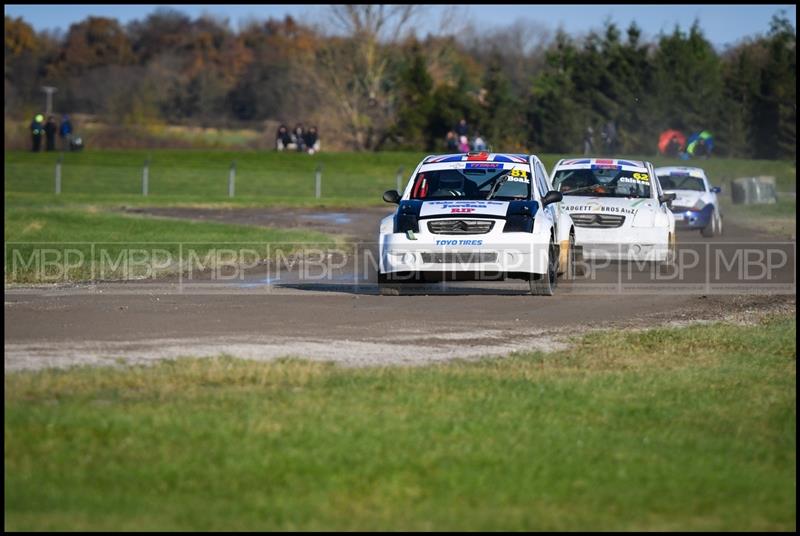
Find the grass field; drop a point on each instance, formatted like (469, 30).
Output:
(669, 429)
(96, 183)
(262, 178)
(90, 244)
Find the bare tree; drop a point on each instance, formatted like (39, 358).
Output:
(354, 66)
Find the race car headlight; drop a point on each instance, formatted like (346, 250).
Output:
(519, 218)
(518, 223)
(406, 222)
(699, 204)
(407, 217)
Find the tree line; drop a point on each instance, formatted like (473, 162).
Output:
(372, 84)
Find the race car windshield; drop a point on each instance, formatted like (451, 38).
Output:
(602, 182)
(472, 184)
(681, 182)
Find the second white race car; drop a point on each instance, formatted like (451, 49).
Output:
(618, 208)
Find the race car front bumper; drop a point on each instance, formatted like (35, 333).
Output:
(477, 254)
(642, 244)
(686, 218)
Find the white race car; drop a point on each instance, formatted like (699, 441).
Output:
(618, 208)
(476, 216)
(696, 205)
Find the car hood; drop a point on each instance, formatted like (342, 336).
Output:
(685, 198)
(612, 205)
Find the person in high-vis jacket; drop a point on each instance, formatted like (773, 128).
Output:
(37, 129)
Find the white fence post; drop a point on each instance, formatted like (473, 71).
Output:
(318, 189)
(58, 173)
(146, 176)
(232, 179)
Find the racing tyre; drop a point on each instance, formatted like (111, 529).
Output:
(712, 228)
(672, 250)
(574, 267)
(545, 284)
(386, 288)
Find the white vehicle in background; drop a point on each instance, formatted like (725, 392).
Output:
(618, 208)
(696, 205)
(464, 216)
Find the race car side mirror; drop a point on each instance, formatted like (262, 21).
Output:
(716, 190)
(391, 196)
(552, 197)
(667, 198)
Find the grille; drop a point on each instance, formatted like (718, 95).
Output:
(678, 208)
(598, 221)
(448, 257)
(459, 227)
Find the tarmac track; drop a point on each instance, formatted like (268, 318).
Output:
(264, 313)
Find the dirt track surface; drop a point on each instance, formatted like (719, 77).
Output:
(342, 318)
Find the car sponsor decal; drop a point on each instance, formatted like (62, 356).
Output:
(490, 208)
(455, 242)
(483, 165)
(594, 206)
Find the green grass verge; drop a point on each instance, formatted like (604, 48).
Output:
(779, 218)
(60, 245)
(262, 177)
(669, 429)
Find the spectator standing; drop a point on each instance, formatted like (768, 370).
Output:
(50, 129)
(311, 140)
(452, 142)
(463, 144)
(298, 137)
(673, 147)
(37, 129)
(65, 132)
(462, 129)
(609, 135)
(588, 140)
(478, 144)
(282, 138)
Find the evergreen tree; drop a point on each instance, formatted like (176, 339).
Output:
(775, 105)
(503, 127)
(414, 102)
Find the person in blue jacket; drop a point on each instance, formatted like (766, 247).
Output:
(65, 132)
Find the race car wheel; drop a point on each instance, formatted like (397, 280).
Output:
(672, 249)
(387, 288)
(712, 228)
(545, 284)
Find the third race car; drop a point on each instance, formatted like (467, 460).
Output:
(696, 205)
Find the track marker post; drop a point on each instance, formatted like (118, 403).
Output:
(232, 179)
(318, 176)
(58, 173)
(146, 176)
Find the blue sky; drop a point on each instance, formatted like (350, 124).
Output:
(722, 24)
